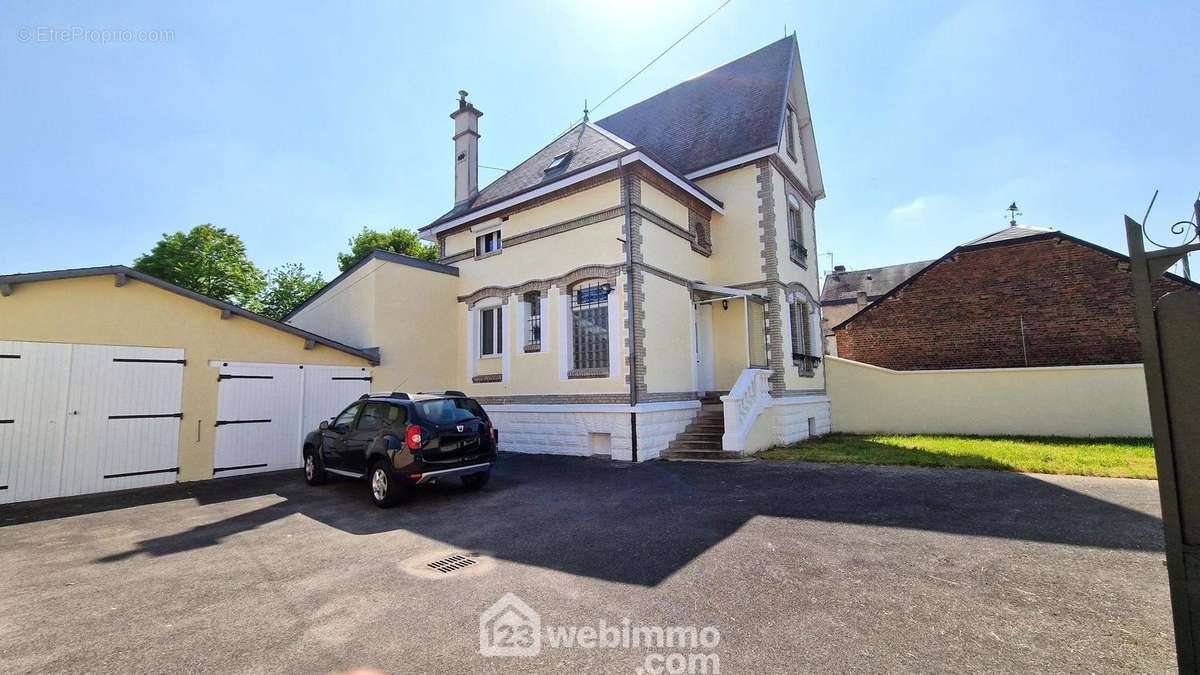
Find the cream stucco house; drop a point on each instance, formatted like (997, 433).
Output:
(595, 296)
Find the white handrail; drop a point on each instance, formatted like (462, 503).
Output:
(750, 396)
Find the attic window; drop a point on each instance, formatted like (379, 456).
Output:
(559, 161)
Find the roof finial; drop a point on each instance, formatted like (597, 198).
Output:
(1013, 212)
(585, 110)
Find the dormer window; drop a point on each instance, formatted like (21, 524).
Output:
(559, 161)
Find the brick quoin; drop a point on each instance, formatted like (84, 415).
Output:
(966, 312)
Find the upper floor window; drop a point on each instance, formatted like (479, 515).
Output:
(486, 243)
(790, 122)
(797, 249)
(491, 331)
(533, 321)
(589, 327)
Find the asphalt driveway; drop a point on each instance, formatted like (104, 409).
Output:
(800, 567)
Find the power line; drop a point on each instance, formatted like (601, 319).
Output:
(494, 168)
(664, 53)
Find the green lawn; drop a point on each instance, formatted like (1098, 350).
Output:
(1116, 457)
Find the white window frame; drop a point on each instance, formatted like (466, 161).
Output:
(497, 330)
(482, 231)
(795, 221)
(791, 134)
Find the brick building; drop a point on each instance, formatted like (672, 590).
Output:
(1019, 297)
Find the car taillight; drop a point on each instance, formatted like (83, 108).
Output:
(490, 430)
(412, 437)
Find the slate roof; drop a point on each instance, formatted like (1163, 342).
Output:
(1009, 233)
(727, 112)
(587, 146)
(843, 287)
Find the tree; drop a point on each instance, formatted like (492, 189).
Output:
(397, 240)
(287, 286)
(207, 260)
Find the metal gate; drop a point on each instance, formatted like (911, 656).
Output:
(77, 419)
(265, 410)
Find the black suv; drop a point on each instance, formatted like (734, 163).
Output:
(397, 441)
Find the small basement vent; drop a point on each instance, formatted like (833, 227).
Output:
(451, 564)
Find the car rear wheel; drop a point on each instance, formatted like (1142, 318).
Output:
(385, 490)
(314, 473)
(475, 481)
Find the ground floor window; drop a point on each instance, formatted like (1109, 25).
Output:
(589, 326)
(802, 350)
(533, 321)
(491, 331)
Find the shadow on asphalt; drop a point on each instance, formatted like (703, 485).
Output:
(640, 524)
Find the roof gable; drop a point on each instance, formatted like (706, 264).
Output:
(727, 112)
(586, 145)
(122, 272)
(843, 287)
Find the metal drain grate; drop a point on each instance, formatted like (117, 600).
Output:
(451, 564)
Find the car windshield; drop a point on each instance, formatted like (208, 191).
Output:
(448, 410)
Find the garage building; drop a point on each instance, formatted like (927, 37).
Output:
(113, 379)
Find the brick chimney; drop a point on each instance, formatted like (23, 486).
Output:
(466, 149)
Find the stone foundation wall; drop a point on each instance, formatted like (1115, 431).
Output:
(569, 429)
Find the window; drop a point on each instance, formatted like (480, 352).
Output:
(791, 132)
(799, 253)
(491, 331)
(447, 410)
(487, 243)
(559, 161)
(533, 322)
(342, 422)
(802, 355)
(377, 416)
(589, 328)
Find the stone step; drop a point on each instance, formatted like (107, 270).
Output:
(695, 443)
(698, 453)
(707, 424)
(699, 435)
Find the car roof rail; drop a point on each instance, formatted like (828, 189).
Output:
(447, 392)
(386, 394)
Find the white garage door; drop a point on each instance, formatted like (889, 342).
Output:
(265, 410)
(76, 419)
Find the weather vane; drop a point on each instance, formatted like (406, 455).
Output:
(1013, 212)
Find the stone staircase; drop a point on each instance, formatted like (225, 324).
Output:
(702, 438)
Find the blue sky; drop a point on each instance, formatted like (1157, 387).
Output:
(295, 124)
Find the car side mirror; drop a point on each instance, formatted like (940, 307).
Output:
(324, 425)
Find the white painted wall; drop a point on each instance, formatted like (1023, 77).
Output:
(1076, 401)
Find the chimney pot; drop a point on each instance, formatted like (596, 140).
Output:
(839, 268)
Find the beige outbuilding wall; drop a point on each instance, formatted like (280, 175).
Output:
(93, 310)
(1065, 401)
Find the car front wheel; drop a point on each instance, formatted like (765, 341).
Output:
(385, 490)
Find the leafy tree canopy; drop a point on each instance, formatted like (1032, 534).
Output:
(397, 240)
(287, 286)
(207, 260)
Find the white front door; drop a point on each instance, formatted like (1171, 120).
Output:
(704, 346)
